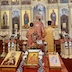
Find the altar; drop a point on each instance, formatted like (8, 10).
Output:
(31, 67)
(46, 67)
(11, 62)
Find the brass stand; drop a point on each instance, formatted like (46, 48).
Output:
(24, 46)
(3, 53)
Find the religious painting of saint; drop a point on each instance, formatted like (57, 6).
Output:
(53, 16)
(32, 58)
(63, 1)
(14, 2)
(25, 19)
(25, 2)
(39, 11)
(4, 19)
(64, 14)
(52, 1)
(39, 0)
(4, 2)
(10, 60)
(54, 60)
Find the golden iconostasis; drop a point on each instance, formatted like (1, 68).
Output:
(15, 11)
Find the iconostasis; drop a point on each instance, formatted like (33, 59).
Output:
(15, 12)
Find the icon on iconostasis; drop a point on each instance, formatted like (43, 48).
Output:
(5, 20)
(15, 2)
(4, 2)
(64, 13)
(26, 20)
(53, 17)
(52, 1)
(63, 1)
(26, 2)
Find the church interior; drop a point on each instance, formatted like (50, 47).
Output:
(35, 36)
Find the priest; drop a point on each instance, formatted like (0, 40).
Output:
(38, 25)
(29, 35)
(48, 34)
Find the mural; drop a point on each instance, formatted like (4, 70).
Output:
(4, 19)
(63, 1)
(40, 12)
(25, 18)
(4, 2)
(52, 1)
(53, 16)
(26, 2)
(64, 13)
(15, 2)
(15, 18)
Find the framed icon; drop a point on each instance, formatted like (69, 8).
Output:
(54, 60)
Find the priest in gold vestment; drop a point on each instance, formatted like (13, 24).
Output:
(48, 34)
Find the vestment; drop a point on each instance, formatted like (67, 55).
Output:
(38, 25)
(48, 32)
(29, 36)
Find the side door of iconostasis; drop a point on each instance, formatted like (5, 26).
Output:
(64, 22)
(15, 19)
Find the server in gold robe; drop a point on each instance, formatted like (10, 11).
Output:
(48, 34)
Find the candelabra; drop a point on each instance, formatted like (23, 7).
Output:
(45, 49)
(17, 41)
(3, 34)
(24, 46)
(11, 44)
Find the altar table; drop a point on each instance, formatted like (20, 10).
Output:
(46, 67)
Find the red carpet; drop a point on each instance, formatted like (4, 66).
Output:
(68, 64)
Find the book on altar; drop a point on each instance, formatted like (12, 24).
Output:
(39, 42)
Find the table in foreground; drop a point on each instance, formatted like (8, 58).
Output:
(11, 62)
(46, 67)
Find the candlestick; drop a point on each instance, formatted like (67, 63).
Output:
(3, 35)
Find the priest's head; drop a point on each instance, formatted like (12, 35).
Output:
(49, 23)
(31, 24)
